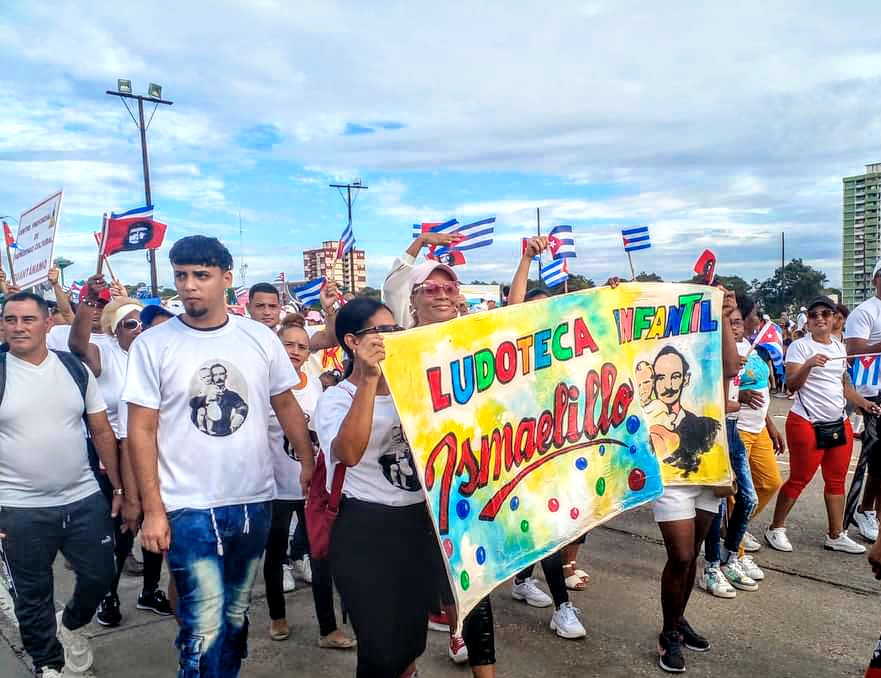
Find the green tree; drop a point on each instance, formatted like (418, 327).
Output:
(371, 292)
(790, 287)
(732, 282)
(642, 276)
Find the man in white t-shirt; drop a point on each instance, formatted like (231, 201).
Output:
(49, 497)
(802, 319)
(862, 334)
(199, 390)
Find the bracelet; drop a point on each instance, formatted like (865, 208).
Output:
(119, 492)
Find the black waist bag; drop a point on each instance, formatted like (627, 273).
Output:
(827, 433)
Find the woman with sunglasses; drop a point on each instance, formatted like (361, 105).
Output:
(290, 498)
(120, 323)
(816, 371)
(383, 543)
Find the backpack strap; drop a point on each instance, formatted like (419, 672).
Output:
(2, 375)
(77, 370)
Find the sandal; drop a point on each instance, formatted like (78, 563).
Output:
(574, 581)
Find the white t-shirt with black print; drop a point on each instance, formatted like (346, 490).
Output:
(212, 389)
(821, 397)
(285, 459)
(386, 474)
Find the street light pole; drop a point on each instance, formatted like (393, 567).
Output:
(357, 185)
(142, 128)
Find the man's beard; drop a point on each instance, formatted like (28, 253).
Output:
(196, 312)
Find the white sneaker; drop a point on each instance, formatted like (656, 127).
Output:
(867, 524)
(303, 569)
(457, 651)
(750, 544)
(714, 582)
(843, 543)
(78, 656)
(752, 570)
(529, 592)
(46, 672)
(777, 539)
(734, 573)
(288, 583)
(566, 624)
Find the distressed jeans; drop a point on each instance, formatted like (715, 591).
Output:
(744, 501)
(214, 558)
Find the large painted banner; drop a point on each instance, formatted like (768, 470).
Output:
(532, 424)
(36, 242)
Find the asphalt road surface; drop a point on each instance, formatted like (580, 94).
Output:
(816, 614)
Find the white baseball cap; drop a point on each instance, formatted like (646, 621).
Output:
(420, 273)
(877, 269)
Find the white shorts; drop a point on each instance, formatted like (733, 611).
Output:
(680, 502)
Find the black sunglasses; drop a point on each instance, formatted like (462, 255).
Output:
(378, 329)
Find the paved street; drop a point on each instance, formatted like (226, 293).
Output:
(816, 614)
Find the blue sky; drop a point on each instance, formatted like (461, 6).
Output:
(718, 127)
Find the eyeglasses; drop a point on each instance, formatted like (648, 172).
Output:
(432, 289)
(131, 324)
(378, 329)
(826, 313)
(736, 323)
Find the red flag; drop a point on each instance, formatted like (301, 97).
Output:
(705, 267)
(133, 230)
(7, 234)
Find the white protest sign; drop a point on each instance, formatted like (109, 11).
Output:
(36, 242)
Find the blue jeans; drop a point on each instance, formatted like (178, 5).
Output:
(214, 558)
(744, 501)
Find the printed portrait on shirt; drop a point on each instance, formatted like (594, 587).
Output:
(290, 449)
(397, 463)
(679, 437)
(218, 393)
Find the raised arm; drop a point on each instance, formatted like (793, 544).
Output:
(396, 288)
(326, 338)
(78, 341)
(730, 357)
(61, 298)
(517, 293)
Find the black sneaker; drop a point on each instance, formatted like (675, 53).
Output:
(670, 657)
(155, 601)
(691, 638)
(108, 611)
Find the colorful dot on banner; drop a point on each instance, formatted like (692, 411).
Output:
(601, 486)
(636, 479)
(480, 555)
(602, 450)
(633, 449)
(463, 508)
(515, 503)
(465, 581)
(632, 424)
(524, 526)
(581, 463)
(574, 513)
(448, 548)
(553, 505)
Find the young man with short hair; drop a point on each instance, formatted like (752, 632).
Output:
(199, 390)
(49, 497)
(264, 305)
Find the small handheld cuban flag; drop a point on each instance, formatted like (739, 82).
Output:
(866, 371)
(555, 273)
(7, 234)
(347, 242)
(242, 295)
(471, 236)
(309, 293)
(636, 238)
(561, 242)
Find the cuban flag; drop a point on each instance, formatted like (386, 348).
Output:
(347, 242)
(866, 371)
(75, 287)
(279, 279)
(435, 227)
(309, 293)
(7, 235)
(636, 238)
(770, 336)
(555, 273)
(242, 295)
(471, 236)
(561, 242)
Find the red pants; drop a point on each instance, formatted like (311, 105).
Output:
(804, 458)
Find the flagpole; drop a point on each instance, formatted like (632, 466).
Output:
(11, 267)
(538, 232)
(101, 257)
(632, 271)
